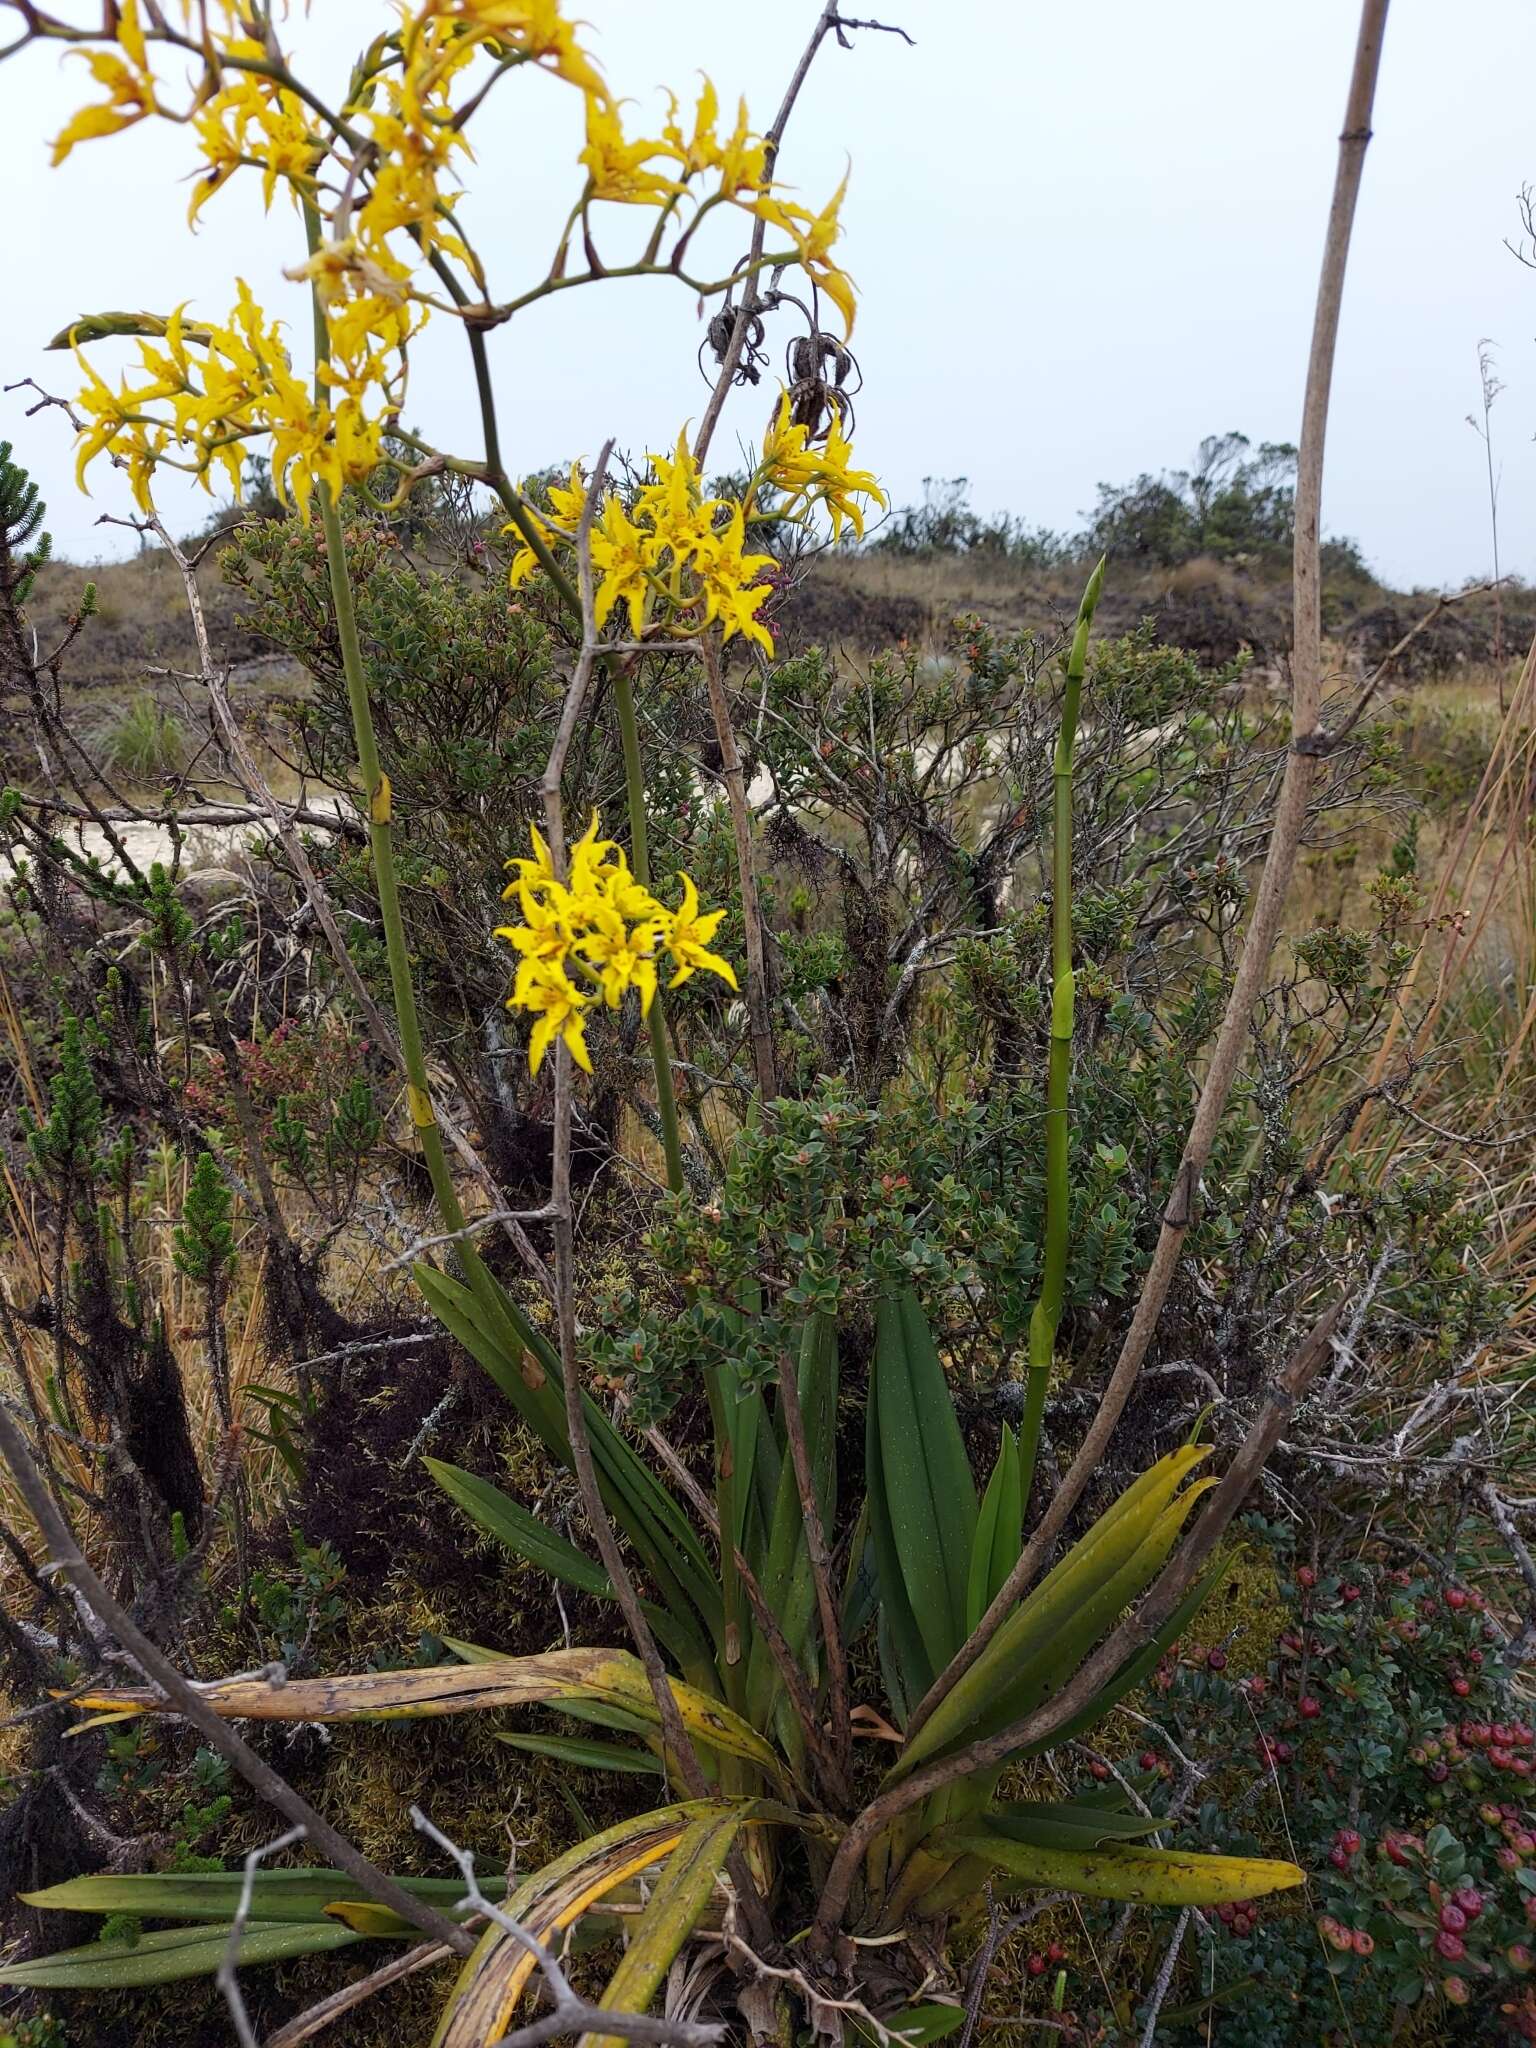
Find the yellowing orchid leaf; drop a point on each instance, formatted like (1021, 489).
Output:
(670, 1916)
(609, 1677)
(1121, 1870)
(494, 1977)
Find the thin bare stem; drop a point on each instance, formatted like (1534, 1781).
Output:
(827, 22)
(759, 1016)
(1274, 883)
(226, 1976)
(291, 840)
(65, 1556)
(681, 1752)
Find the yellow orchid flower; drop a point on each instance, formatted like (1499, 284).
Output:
(813, 235)
(622, 956)
(619, 169)
(808, 475)
(535, 28)
(686, 937)
(130, 99)
(620, 555)
(559, 1005)
(549, 927)
(732, 590)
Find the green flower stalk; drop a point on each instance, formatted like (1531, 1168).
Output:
(381, 848)
(1046, 1318)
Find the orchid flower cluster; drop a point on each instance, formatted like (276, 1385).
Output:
(677, 559)
(594, 936)
(378, 181)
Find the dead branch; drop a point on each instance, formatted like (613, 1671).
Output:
(1274, 883)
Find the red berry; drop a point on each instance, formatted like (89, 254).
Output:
(1217, 1660)
(1452, 1918)
(1349, 1594)
(1098, 1770)
(1338, 1857)
(1056, 1953)
(1149, 1759)
(1036, 1966)
(1438, 1773)
(1308, 1707)
(1455, 1597)
(1519, 1957)
(1348, 1840)
(1469, 1899)
(1451, 1946)
(1255, 1686)
(1461, 1687)
(1362, 1943)
(1456, 1990)
(1305, 1576)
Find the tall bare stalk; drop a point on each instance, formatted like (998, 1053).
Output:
(1489, 388)
(1308, 746)
(1046, 1318)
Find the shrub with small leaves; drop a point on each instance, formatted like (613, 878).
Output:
(205, 1237)
(1382, 1739)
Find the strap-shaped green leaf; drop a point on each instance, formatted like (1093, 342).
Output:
(586, 1754)
(510, 1523)
(173, 1954)
(528, 1373)
(294, 1897)
(1065, 1824)
(999, 1531)
(1136, 1670)
(904, 1659)
(1038, 1647)
(786, 1579)
(929, 1494)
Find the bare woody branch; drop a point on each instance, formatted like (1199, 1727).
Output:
(65, 1556)
(1274, 882)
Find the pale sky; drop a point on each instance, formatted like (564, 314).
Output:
(1083, 236)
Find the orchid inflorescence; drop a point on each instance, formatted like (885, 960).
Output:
(676, 558)
(377, 178)
(594, 936)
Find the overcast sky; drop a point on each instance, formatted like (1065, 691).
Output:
(1083, 236)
